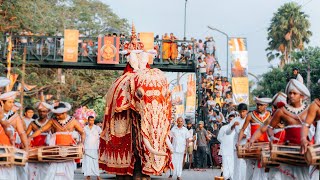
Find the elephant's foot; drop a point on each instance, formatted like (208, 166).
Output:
(140, 176)
(126, 177)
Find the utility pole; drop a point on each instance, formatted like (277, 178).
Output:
(185, 20)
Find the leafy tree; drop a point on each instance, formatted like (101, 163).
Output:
(288, 31)
(276, 79)
(91, 17)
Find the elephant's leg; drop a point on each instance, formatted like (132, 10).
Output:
(125, 177)
(137, 172)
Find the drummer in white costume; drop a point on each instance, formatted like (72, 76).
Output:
(90, 165)
(313, 115)
(62, 126)
(17, 126)
(292, 115)
(38, 171)
(253, 122)
(240, 165)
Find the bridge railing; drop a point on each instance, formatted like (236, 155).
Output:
(46, 49)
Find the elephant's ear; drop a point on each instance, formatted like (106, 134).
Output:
(119, 96)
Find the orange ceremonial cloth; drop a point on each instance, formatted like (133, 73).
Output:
(166, 48)
(64, 140)
(4, 139)
(174, 49)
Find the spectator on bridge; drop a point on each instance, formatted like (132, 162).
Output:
(210, 46)
(218, 99)
(173, 47)
(200, 46)
(202, 67)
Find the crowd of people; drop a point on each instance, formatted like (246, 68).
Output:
(52, 126)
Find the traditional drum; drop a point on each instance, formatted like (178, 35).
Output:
(253, 152)
(287, 155)
(312, 155)
(6, 156)
(266, 160)
(55, 153)
(20, 157)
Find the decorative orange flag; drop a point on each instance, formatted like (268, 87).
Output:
(71, 39)
(147, 38)
(108, 50)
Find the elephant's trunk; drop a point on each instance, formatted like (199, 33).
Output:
(168, 142)
(151, 149)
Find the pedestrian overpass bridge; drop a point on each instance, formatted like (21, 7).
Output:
(47, 52)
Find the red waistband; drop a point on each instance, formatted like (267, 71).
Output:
(293, 135)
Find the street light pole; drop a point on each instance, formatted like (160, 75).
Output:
(227, 36)
(185, 20)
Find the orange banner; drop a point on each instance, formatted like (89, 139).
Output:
(71, 39)
(108, 50)
(147, 38)
(191, 94)
(240, 88)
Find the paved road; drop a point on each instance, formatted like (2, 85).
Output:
(209, 174)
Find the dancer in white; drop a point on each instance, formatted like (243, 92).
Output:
(240, 165)
(226, 149)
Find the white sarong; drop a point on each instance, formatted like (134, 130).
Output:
(177, 160)
(37, 171)
(61, 171)
(90, 165)
(8, 173)
(288, 172)
(227, 164)
(240, 168)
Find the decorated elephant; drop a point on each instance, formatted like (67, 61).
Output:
(134, 141)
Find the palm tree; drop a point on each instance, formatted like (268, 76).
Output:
(288, 31)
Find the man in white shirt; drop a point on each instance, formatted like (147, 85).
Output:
(235, 125)
(226, 150)
(179, 136)
(297, 75)
(90, 165)
(202, 67)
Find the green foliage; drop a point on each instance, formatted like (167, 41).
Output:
(291, 21)
(276, 79)
(91, 17)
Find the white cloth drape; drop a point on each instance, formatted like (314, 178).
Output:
(37, 171)
(8, 173)
(61, 171)
(177, 160)
(90, 164)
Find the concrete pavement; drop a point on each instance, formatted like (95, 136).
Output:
(209, 174)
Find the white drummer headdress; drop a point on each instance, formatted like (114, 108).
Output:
(297, 86)
(62, 107)
(262, 100)
(279, 97)
(11, 95)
